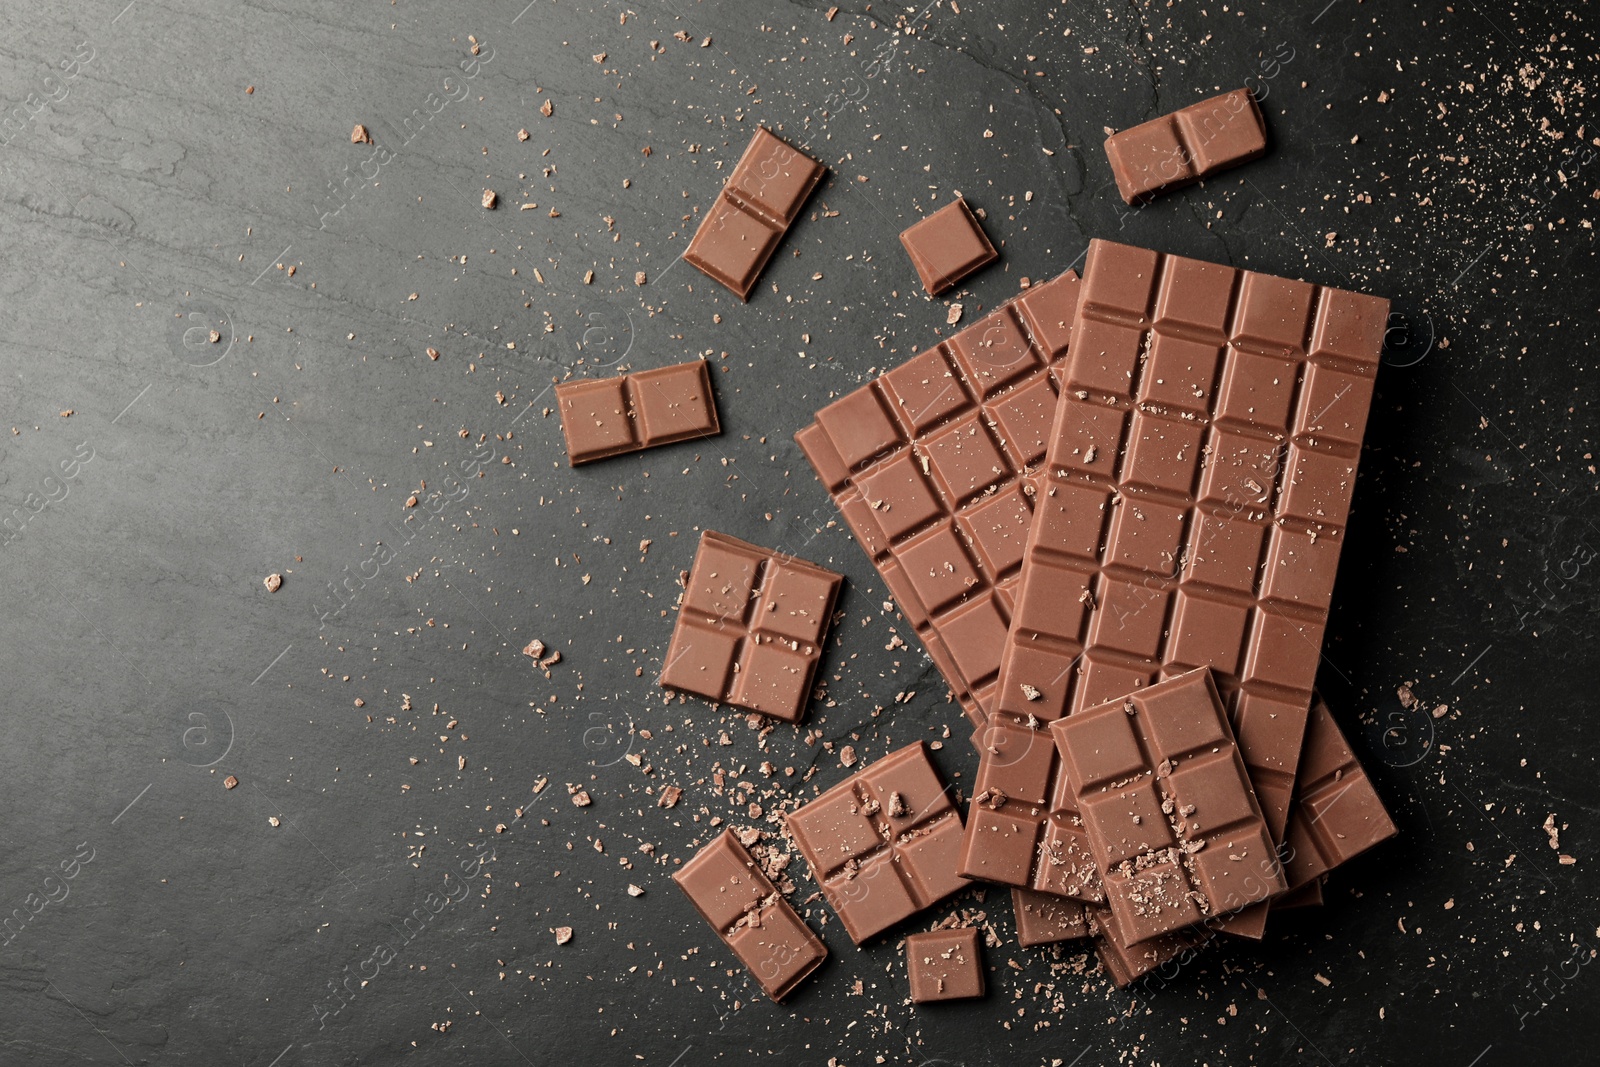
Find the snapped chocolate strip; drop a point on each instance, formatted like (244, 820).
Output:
(762, 198)
(750, 915)
(750, 627)
(931, 464)
(604, 417)
(1187, 146)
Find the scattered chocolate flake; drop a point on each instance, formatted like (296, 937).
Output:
(359, 135)
(547, 108)
(273, 582)
(230, 782)
(581, 799)
(563, 934)
(1031, 693)
(669, 797)
(847, 755)
(535, 649)
(523, 135)
(634, 891)
(490, 198)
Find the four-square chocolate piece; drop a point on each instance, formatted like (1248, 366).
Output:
(609, 416)
(1186, 146)
(756, 207)
(947, 246)
(1171, 819)
(882, 843)
(945, 965)
(751, 627)
(750, 915)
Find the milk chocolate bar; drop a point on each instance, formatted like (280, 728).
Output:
(750, 628)
(1194, 497)
(882, 844)
(931, 466)
(756, 207)
(604, 417)
(1187, 146)
(750, 915)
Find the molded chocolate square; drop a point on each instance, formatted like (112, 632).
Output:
(1337, 814)
(752, 918)
(1161, 834)
(986, 396)
(611, 416)
(1126, 963)
(1186, 146)
(750, 627)
(1044, 918)
(947, 246)
(944, 965)
(756, 207)
(906, 863)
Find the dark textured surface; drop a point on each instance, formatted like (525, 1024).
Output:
(145, 200)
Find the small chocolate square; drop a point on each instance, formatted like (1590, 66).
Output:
(944, 965)
(947, 246)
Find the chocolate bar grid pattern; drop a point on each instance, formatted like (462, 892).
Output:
(750, 915)
(1337, 813)
(1174, 826)
(1199, 478)
(750, 628)
(603, 417)
(877, 867)
(760, 201)
(930, 465)
(1186, 146)
(1023, 828)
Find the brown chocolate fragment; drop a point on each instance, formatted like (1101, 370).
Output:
(1044, 918)
(947, 246)
(1187, 146)
(1166, 802)
(604, 417)
(1337, 813)
(877, 868)
(761, 200)
(945, 965)
(751, 627)
(728, 889)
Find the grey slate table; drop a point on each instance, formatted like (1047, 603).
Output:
(215, 317)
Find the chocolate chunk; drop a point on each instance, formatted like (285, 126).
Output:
(877, 868)
(1132, 777)
(1337, 813)
(756, 207)
(752, 918)
(751, 627)
(604, 417)
(1187, 146)
(947, 246)
(931, 465)
(1044, 918)
(1126, 963)
(944, 965)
